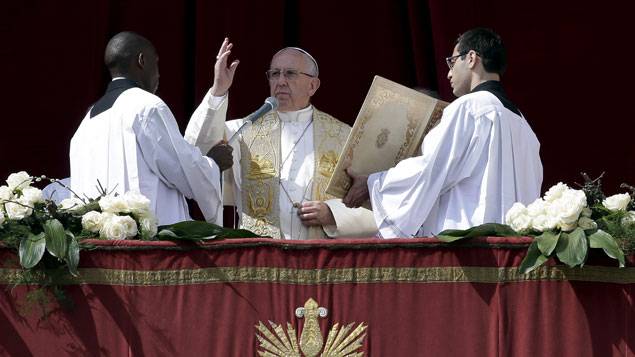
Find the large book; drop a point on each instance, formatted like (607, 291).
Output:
(390, 127)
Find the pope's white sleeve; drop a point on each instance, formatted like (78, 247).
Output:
(207, 124)
(350, 222)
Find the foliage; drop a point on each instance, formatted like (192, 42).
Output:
(197, 230)
(566, 223)
(48, 236)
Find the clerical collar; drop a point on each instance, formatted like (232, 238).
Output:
(115, 88)
(119, 83)
(496, 88)
(300, 116)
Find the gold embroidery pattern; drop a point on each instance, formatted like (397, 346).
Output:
(260, 150)
(339, 343)
(260, 198)
(327, 163)
(260, 168)
(329, 137)
(385, 275)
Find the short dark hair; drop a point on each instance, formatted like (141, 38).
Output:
(122, 49)
(489, 46)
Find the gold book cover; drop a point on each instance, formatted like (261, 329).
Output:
(390, 127)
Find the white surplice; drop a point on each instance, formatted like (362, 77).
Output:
(296, 173)
(475, 164)
(136, 146)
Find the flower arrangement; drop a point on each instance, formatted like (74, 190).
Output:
(565, 223)
(48, 236)
(42, 230)
(39, 228)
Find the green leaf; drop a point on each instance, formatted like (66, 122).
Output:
(601, 239)
(199, 230)
(572, 247)
(72, 256)
(238, 233)
(484, 230)
(55, 238)
(547, 242)
(449, 238)
(31, 250)
(166, 233)
(533, 259)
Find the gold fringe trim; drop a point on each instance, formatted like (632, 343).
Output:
(100, 276)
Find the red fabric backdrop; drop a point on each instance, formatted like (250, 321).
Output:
(568, 65)
(417, 297)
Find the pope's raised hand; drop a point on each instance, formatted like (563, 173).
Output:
(223, 74)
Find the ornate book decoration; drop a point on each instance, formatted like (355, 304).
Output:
(389, 128)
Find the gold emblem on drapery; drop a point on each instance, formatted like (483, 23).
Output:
(340, 342)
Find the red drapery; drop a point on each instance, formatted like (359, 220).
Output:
(417, 298)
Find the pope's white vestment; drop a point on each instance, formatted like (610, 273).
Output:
(295, 169)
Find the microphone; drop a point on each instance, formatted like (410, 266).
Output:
(271, 103)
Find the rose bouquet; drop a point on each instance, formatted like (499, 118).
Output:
(40, 229)
(565, 223)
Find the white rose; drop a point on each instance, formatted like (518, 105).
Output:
(5, 193)
(136, 202)
(617, 202)
(106, 216)
(537, 208)
(544, 222)
(2, 218)
(629, 218)
(555, 192)
(71, 204)
(129, 224)
(19, 180)
(587, 223)
(17, 211)
(92, 221)
(148, 226)
(113, 204)
(517, 217)
(570, 205)
(31, 196)
(112, 228)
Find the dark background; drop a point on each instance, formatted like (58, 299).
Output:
(570, 68)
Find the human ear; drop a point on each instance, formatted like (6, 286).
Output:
(140, 60)
(315, 84)
(472, 56)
